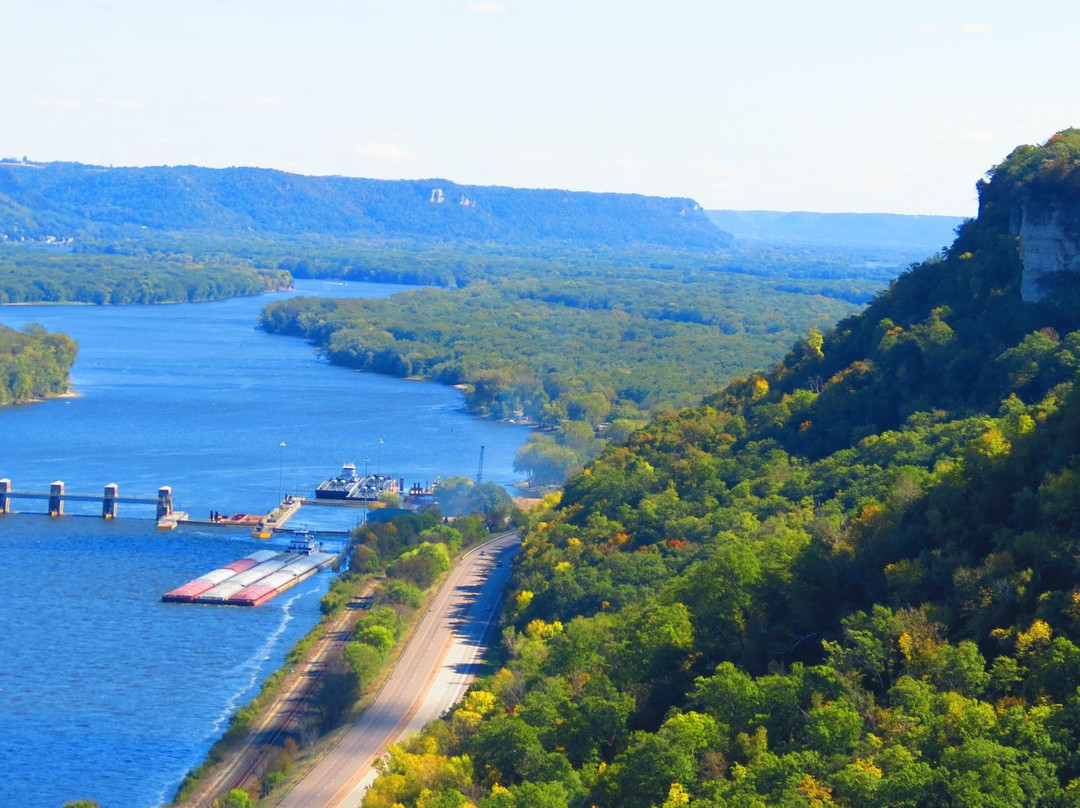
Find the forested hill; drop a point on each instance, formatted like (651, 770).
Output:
(65, 200)
(853, 580)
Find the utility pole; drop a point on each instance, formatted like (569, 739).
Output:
(480, 471)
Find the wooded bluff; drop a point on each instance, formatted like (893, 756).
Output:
(851, 580)
(69, 200)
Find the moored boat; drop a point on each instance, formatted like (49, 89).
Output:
(341, 486)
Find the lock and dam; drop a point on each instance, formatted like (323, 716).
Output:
(262, 526)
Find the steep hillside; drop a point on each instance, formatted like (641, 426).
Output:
(65, 200)
(853, 580)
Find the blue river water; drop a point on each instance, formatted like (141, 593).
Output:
(105, 692)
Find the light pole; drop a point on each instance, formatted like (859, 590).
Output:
(280, 468)
(366, 461)
(378, 468)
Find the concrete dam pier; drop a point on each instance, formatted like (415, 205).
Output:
(110, 500)
(262, 526)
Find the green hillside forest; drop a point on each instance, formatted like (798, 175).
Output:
(852, 580)
(71, 201)
(34, 364)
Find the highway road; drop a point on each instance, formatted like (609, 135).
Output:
(433, 673)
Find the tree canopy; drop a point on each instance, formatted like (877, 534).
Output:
(584, 348)
(850, 580)
(34, 363)
(54, 275)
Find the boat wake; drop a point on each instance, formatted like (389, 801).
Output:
(252, 667)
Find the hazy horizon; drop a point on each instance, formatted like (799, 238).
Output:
(838, 107)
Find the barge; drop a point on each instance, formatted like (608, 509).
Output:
(204, 583)
(253, 579)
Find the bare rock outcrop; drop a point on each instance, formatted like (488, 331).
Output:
(1049, 247)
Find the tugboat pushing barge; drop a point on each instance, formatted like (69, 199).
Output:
(304, 543)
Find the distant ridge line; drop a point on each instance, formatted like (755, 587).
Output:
(909, 231)
(73, 200)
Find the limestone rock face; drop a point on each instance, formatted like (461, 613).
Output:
(1049, 245)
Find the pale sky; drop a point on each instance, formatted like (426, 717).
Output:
(830, 106)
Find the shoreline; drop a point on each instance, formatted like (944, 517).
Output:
(297, 355)
(178, 302)
(227, 756)
(22, 401)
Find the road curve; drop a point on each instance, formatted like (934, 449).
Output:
(433, 673)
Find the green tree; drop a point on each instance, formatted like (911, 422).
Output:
(237, 799)
(422, 564)
(834, 728)
(644, 773)
(380, 638)
(363, 659)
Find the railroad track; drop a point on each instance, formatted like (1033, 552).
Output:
(242, 763)
(310, 678)
(433, 672)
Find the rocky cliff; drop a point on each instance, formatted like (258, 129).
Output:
(1034, 197)
(1049, 247)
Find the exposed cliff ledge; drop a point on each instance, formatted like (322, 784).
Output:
(1049, 247)
(1033, 198)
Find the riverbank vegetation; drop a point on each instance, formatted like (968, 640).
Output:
(582, 313)
(586, 351)
(392, 566)
(34, 364)
(848, 581)
(586, 342)
(409, 554)
(53, 275)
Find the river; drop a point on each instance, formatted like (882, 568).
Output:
(105, 692)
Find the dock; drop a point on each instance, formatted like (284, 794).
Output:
(264, 526)
(336, 503)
